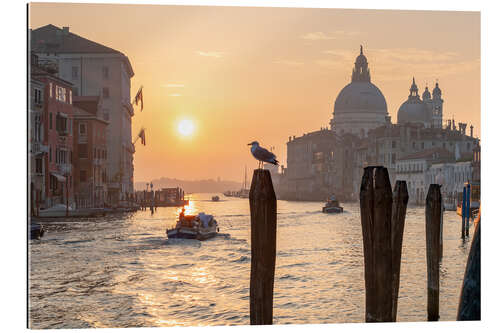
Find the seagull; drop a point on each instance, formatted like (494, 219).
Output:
(262, 154)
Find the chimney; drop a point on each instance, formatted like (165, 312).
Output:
(65, 30)
(471, 131)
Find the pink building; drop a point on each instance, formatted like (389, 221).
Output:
(58, 134)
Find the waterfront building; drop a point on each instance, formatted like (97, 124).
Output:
(360, 105)
(90, 152)
(37, 150)
(57, 121)
(451, 177)
(414, 167)
(476, 164)
(332, 161)
(318, 164)
(97, 70)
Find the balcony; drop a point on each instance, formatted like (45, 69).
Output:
(38, 148)
(64, 168)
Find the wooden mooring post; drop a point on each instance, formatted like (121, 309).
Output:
(464, 195)
(399, 203)
(433, 212)
(469, 307)
(382, 240)
(467, 216)
(263, 243)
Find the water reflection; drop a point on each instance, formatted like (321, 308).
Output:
(121, 271)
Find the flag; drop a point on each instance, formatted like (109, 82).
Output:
(142, 135)
(138, 97)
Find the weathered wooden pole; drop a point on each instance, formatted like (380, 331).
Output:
(468, 210)
(399, 203)
(469, 307)
(441, 232)
(464, 195)
(263, 237)
(376, 219)
(432, 235)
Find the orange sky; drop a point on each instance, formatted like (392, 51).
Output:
(227, 68)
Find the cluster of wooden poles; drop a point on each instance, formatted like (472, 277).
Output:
(383, 214)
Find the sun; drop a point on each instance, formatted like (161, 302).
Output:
(186, 127)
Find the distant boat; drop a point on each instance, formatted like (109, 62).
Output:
(244, 192)
(215, 198)
(201, 227)
(332, 206)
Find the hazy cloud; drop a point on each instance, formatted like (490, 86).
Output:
(288, 62)
(320, 35)
(173, 85)
(212, 54)
(400, 64)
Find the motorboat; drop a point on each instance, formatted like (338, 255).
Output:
(332, 206)
(201, 227)
(36, 230)
(215, 198)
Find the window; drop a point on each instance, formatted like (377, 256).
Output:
(105, 92)
(50, 89)
(83, 129)
(50, 120)
(422, 145)
(105, 72)
(70, 97)
(106, 115)
(38, 96)
(83, 150)
(61, 94)
(393, 144)
(83, 176)
(38, 165)
(61, 124)
(50, 153)
(74, 72)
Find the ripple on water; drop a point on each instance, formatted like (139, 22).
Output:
(122, 271)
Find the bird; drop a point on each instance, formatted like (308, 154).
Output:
(262, 154)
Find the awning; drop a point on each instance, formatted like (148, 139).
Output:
(58, 176)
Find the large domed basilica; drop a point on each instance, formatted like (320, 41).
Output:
(360, 106)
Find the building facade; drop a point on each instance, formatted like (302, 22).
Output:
(90, 153)
(37, 150)
(97, 70)
(332, 161)
(57, 134)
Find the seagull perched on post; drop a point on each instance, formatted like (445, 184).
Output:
(262, 154)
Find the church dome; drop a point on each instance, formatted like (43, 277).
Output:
(413, 110)
(360, 105)
(360, 96)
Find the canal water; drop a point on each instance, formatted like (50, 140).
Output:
(121, 271)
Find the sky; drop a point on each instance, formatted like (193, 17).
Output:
(239, 74)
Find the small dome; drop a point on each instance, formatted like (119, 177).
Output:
(360, 96)
(413, 111)
(436, 90)
(427, 94)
